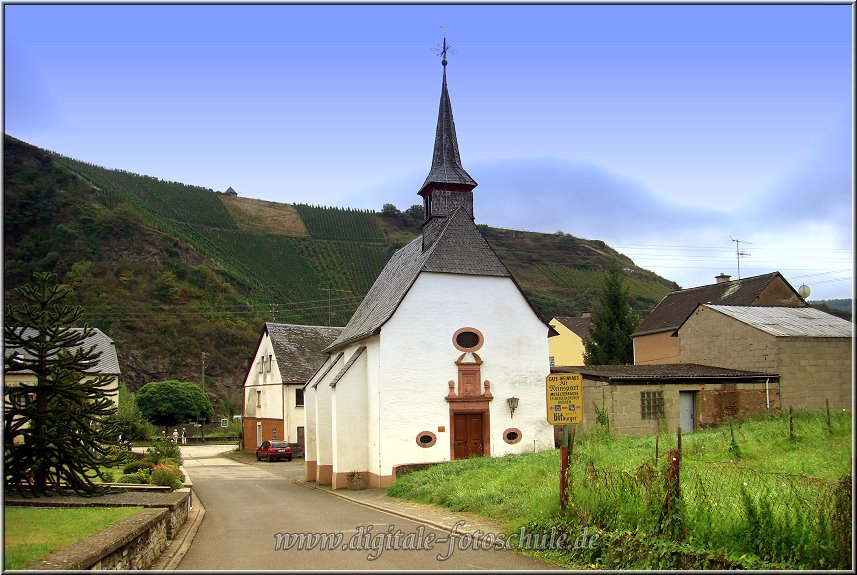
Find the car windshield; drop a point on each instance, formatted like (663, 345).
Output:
(279, 444)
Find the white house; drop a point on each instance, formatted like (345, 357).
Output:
(442, 345)
(286, 356)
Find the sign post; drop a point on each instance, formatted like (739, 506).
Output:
(564, 394)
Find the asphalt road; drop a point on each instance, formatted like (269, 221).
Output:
(249, 507)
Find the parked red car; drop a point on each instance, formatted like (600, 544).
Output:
(273, 450)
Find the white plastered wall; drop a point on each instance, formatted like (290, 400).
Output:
(268, 382)
(349, 405)
(417, 359)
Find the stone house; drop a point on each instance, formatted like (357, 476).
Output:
(656, 338)
(645, 399)
(808, 348)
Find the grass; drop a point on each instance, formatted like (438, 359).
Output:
(34, 532)
(766, 500)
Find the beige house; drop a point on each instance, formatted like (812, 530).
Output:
(107, 364)
(808, 348)
(566, 348)
(286, 356)
(656, 339)
(645, 399)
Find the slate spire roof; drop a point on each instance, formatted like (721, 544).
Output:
(446, 165)
(458, 249)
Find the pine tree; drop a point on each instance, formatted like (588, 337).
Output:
(613, 322)
(55, 427)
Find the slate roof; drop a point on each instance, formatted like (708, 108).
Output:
(664, 373)
(789, 321)
(676, 307)
(298, 348)
(108, 362)
(446, 165)
(345, 368)
(579, 325)
(458, 249)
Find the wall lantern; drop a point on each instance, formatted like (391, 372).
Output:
(513, 405)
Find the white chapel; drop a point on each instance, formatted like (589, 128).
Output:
(444, 359)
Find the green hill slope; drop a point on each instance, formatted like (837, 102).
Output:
(171, 271)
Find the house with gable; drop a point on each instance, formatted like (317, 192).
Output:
(445, 358)
(656, 338)
(566, 348)
(106, 365)
(286, 357)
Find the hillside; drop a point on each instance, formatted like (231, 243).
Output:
(171, 271)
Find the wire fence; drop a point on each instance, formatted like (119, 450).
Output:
(792, 520)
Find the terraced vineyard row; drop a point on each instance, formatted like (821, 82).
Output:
(347, 224)
(173, 200)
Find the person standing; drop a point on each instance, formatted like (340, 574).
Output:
(184, 436)
(175, 435)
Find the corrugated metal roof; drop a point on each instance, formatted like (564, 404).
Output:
(789, 321)
(676, 307)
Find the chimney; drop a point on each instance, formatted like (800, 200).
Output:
(722, 278)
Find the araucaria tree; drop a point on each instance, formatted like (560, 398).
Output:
(172, 402)
(613, 322)
(55, 418)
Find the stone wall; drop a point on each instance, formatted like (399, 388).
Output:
(134, 543)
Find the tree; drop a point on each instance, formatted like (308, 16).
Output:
(390, 210)
(128, 423)
(172, 402)
(613, 322)
(54, 427)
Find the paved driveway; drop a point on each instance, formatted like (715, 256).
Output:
(249, 508)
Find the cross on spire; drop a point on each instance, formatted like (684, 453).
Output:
(445, 48)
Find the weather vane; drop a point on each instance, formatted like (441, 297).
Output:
(446, 48)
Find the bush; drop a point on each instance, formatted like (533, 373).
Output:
(136, 466)
(163, 448)
(106, 476)
(133, 478)
(163, 475)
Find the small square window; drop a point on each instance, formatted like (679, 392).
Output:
(651, 404)
(299, 397)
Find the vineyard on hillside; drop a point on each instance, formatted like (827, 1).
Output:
(346, 224)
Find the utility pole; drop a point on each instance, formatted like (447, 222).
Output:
(739, 253)
(328, 290)
(203, 392)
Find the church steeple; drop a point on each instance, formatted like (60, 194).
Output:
(448, 184)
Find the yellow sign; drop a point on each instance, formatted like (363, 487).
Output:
(565, 398)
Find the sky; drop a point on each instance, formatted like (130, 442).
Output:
(666, 131)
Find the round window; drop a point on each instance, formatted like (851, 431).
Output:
(426, 439)
(512, 435)
(467, 339)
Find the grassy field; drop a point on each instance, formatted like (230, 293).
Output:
(762, 500)
(33, 532)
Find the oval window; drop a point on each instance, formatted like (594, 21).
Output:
(467, 339)
(426, 439)
(512, 435)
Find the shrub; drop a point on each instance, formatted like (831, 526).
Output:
(106, 476)
(136, 466)
(133, 478)
(163, 475)
(163, 448)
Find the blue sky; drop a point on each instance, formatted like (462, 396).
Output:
(662, 130)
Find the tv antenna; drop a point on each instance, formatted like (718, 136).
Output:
(739, 253)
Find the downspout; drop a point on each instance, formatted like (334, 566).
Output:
(767, 394)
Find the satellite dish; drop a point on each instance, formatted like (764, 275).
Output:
(804, 291)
